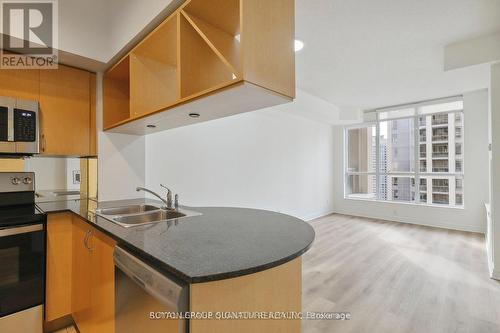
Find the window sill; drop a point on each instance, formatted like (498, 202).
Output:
(406, 203)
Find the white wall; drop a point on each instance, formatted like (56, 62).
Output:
(53, 173)
(266, 159)
(98, 29)
(84, 28)
(50, 173)
(472, 217)
(126, 19)
(121, 166)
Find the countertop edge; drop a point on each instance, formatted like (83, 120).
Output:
(164, 268)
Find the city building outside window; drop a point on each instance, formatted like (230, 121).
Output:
(408, 154)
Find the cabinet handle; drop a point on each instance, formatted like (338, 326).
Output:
(43, 142)
(91, 248)
(89, 234)
(86, 239)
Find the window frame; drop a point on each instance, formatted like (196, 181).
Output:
(416, 173)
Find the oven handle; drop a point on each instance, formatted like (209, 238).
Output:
(20, 230)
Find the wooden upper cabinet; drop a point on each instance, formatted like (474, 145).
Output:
(65, 111)
(214, 58)
(67, 98)
(20, 83)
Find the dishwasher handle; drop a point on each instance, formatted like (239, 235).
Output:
(165, 290)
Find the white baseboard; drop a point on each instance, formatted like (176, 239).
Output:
(459, 227)
(315, 216)
(494, 273)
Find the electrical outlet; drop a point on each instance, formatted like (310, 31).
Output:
(76, 177)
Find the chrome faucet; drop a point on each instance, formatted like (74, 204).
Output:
(168, 202)
(169, 196)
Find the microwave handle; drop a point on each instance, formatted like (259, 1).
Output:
(42, 143)
(20, 230)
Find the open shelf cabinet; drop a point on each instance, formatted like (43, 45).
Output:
(201, 67)
(201, 49)
(117, 93)
(154, 70)
(219, 29)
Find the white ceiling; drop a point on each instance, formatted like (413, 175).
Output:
(358, 54)
(371, 53)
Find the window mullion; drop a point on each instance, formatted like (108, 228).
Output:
(416, 145)
(377, 157)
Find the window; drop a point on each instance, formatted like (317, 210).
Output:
(440, 119)
(440, 134)
(423, 151)
(361, 160)
(423, 165)
(412, 154)
(423, 135)
(440, 165)
(440, 186)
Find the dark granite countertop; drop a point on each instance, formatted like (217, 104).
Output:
(219, 244)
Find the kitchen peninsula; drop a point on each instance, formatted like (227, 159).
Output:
(231, 259)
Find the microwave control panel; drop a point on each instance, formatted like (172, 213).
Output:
(24, 125)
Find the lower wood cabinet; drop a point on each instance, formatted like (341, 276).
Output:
(59, 266)
(102, 290)
(81, 303)
(80, 282)
(275, 290)
(80, 274)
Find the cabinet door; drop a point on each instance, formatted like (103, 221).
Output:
(20, 83)
(103, 283)
(81, 277)
(93, 116)
(59, 259)
(65, 111)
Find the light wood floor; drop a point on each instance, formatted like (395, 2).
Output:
(394, 277)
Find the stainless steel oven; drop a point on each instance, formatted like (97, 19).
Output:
(19, 126)
(22, 255)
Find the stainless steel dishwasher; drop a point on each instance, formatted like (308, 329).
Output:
(140, 290)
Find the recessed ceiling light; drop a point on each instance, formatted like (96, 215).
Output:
(194, 115)
(299, 45)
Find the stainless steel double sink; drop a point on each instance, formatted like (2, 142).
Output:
(136, 215)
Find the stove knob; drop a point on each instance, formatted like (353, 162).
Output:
(15, 181)
(27, 180)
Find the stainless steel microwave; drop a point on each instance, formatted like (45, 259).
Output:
(19, 125)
